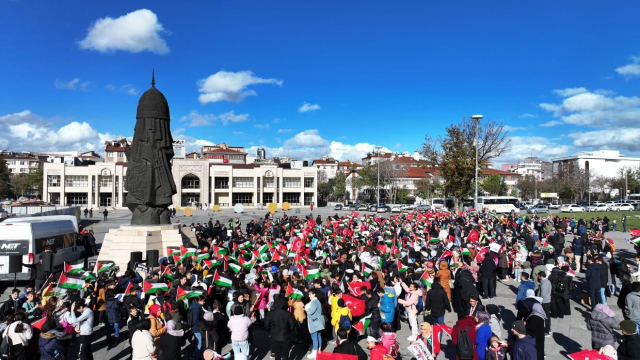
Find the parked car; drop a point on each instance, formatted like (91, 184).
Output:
(623, 207)
(383, 208)
(598, 207)
(535, 209)
(424, 207)
(363, 207)
(610, 203)
(396, 209)
(337, 207)
(554, 206)
(352, 207)
(572, 208)
(408, 207)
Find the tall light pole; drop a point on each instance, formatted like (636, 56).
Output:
(477, 119)
(378, 148)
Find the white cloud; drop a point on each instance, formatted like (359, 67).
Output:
(528, 116)
(237, 132)
(397, 146)
(74, 84)
(192, 144)
(596, 109)
(230, 86)
(570, 91)
(282, 131)
(306, 107)
(632, 69)
(608, 139)
(262, 126)
(134, 32)
(232, 117)
(307, 138)
(513, 128)
(551, 123)
(125, 89)
(195, 119)
(525, 146)
(25, 131)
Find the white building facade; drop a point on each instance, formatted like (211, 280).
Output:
(607, 163)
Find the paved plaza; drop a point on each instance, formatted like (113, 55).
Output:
(569, 334)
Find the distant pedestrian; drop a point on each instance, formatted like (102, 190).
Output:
(105, 213)
(86, 212)
(90, 213)
(623, 220)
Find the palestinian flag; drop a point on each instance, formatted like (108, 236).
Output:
(219, 250)
(171, 251)
(150, 288)
(183, 294)
(100, 267)
(38, 324)
(177, 259)
(362, 325)
(426, 279)
(73, 269)
(211, 263)
(465, 251)
(128, 289)
(546, 246)
(70, 283)
(263, 249)
(167, 274)
(276, 256)
(245, 245)
(184, 252)
(287, 226)
(293, 293)
(235, 267)
(636, 240)
(328, 232)
(221, 281)
(311, 273)
(401, 268)
(201, 257)
(366, 270)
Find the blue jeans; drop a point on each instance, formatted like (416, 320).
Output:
(604, 298)
(115, 328)
(241, 347)
(316, 338)
(488, 288)
(439, 320)
(592, 295)
(637, 326)
(197, 352)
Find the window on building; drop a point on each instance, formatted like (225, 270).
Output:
(110, 154)
(124, 184)
(77, 198)
(308, 199)
(76, 180)
(308, 182)
(242, 198)
(53, 180)
(191, 182)
(11, 162)
(291, 198)
(106, 181)
(222, 183)
(291, 182)
(242, 182)
(268, 182)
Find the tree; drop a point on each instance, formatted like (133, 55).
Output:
(527, 185)
(454, 154)
(601, 183)
(322, 177)
(6, 189)
(403, 195)
(34, 181)
(340, 186)
(325, 189)
(494, 185)
(20, 185)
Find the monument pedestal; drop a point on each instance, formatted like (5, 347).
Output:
(118, 244)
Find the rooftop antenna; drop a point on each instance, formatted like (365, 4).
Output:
(153, 78)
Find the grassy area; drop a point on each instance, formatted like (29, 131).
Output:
(633, 222)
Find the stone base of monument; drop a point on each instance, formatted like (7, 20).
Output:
(118, 244)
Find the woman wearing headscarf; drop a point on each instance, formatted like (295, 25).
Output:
(496, 320)
(158, 327)
(445, 275)
(601, 324)
(142, 342)
(172, 342)
(483, 333)
(535, 327)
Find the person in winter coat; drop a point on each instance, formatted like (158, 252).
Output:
(114, 312)
(157, 324)
(593, 277)
(142, 342)
(211, 323)
(315, 321)
(534, 274)
(495, 322)
(411, 306)
(172, 342)
(341, 310)
(535, 327)
(239, 326)
(632, 304)
(524, 347)
(132, 322)
(437, 301)
(483, 333)
(348, 347)
(601, 324)
(464, 286)
(387, 306)
(468, 323)
(426, 330)
(298, 310)
(497, 349)
(49, 346)
(630, 346)
(525, 284)
(389, 339)
(444, 274)
(263, 294)
(281, 324)
(371, 308)
(560, 293)
(376, 350)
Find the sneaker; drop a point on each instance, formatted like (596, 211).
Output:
(272, 356)
(312, 355)
(547, 334)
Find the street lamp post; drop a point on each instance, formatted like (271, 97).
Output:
(477, 119)
(378, 148)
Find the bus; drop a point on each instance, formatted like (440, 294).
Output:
(499, 204)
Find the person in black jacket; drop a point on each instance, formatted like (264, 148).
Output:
(437, 301)
(281, 325)
(488, 276)
(560, 293)
(371, 307)
(348, 347)
(593, 276)
(604, 277)
(12, 305)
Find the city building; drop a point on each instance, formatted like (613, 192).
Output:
(541, 170)
(510, 178)
(224, 154)
(327, 167)
(114, 151)
(608, 163)
(179, 149)
(197, 181)
(23, 164)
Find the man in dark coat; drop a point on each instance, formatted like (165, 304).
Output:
(437, 301)
(488, 276)
(348, 347)
(593, 277)
(371, 307)
(560, 292)
(630, 346)
(281, 325)
(464, 287)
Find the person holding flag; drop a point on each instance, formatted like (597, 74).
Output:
(414, 293)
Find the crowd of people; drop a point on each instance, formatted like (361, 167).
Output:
(324, 284)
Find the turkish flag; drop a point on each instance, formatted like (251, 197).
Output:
(225, 161)
(355, 287)
(355, 305)
(473, 236)
(297, 245)
(325, 355)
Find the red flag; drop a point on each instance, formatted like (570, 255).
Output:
(355, 305)
(355, 287)
(325, 355)
(289, 290)
(276, 256)
(38, 324)
(128, 290)
(435, 335)
(473, 236)
(297, 245)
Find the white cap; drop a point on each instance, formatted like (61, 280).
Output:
(371, 339)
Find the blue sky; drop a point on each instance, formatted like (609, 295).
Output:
(563, 76)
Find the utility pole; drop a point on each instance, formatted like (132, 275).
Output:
(378, 148)
(477, 119)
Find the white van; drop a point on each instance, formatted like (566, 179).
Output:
(28, 238)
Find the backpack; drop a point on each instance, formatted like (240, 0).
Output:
(420, 305)
(387, 305)
(464, 349)
(560, 287)
(190, 317)
(345, 322)
(6, 347)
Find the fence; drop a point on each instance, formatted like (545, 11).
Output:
(42, 210)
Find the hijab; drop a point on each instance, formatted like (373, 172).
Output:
(171, 329)
(538, 311)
